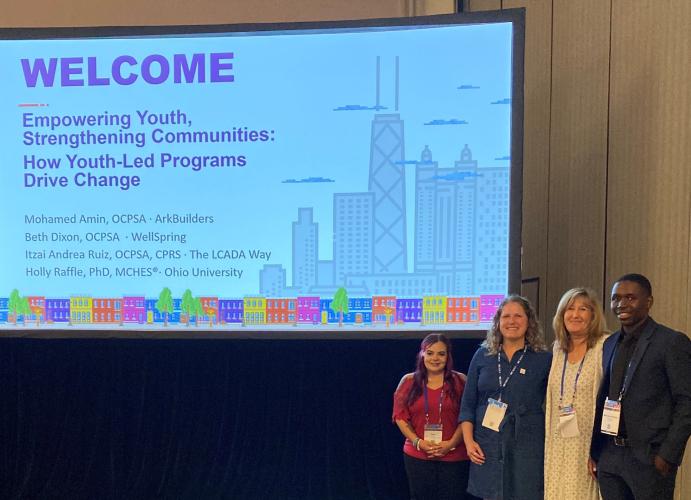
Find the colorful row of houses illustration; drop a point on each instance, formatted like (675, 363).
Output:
(256, 310)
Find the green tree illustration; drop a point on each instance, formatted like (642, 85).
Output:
(24, 309)
(18, 305)
(187, 305)
(164, 304)
(13, 304)
(340, 304)
(197, 309)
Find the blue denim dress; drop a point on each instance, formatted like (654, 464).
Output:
(514, 456)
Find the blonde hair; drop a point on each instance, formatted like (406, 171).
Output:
(533, 335)
(597, 327)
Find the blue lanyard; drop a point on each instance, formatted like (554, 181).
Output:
(502, 385)
(441, 400)
(575, 382)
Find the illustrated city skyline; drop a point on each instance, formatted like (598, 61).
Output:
(461, 226)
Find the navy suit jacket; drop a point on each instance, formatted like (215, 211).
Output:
(657, 403)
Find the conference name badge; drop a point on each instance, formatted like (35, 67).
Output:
(610, 417)
(433, 433)
(568, 423)
(494, 414)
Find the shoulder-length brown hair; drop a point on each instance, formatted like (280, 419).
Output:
(533, 335)
(597, 327)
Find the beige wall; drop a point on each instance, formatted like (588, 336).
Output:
(48, 13)
(170, 12)
(607, 127)
(607, 187)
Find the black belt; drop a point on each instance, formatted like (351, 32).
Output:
(620, 441)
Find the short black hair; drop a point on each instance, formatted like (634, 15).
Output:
(640, 279)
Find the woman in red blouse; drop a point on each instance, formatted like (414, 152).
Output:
(426, 407)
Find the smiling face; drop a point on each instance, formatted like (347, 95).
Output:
(578, 316)
(513, 322)
(631, 304)
(434, 357)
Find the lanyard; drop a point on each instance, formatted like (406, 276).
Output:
(441, 400)
(575, 382)
(502, 385)
(625, 382)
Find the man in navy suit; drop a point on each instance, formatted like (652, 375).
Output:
(643, 409)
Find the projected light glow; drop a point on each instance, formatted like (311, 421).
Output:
(320, 178)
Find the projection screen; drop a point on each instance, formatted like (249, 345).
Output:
(344, 177)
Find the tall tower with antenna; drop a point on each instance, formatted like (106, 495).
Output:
(387, 182)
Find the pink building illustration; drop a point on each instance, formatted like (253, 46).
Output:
(133, 309)
(308, 310)
(489, 305)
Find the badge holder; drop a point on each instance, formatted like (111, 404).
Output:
(568, 423)
(611, 414)
(494, 414)
(433, 433)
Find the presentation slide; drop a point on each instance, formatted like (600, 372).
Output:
(332, 178)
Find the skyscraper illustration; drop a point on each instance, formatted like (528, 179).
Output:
(492, 222)
(305, 250)
(461, 218)
(464, 231)
(387, 182)
(272, 280)
(353, 234)
(425, 196)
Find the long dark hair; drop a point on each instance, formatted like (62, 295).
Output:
(420, 374)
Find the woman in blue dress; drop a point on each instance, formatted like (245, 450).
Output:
(502, 414)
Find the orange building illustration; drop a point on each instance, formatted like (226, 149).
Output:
(281, 311)
(383, 309)
(106, 310)
(462, 309)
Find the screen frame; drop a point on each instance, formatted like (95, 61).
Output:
(514, 16)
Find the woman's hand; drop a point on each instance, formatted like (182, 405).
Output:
(443, 449)
(477, 456)
(592, 468)
(429, 447)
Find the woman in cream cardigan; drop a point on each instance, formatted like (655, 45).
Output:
(574, 378)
